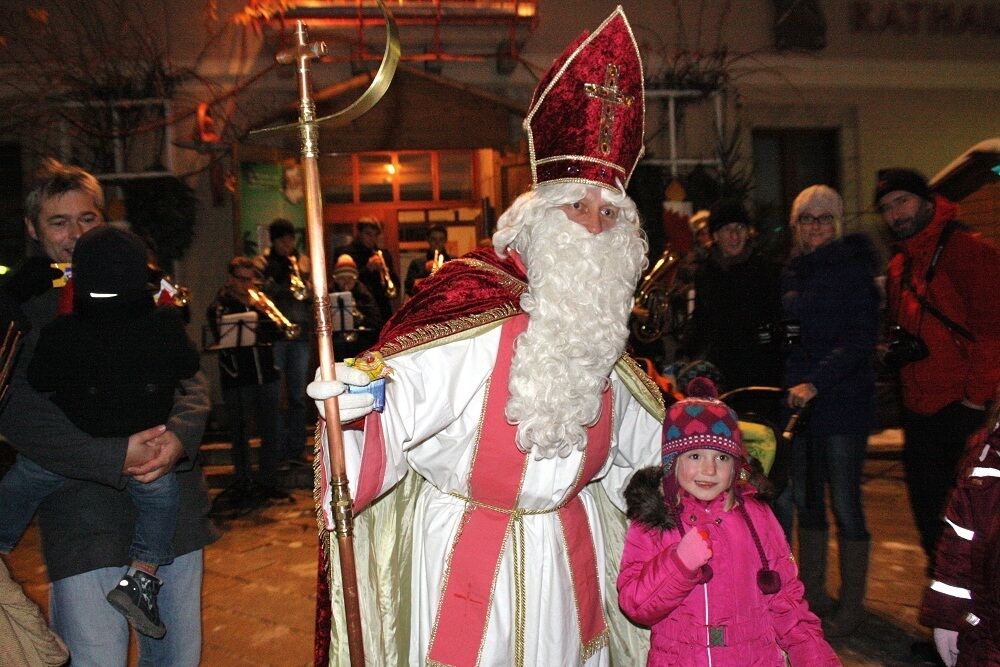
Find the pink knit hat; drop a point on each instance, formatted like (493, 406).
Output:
(702, 421)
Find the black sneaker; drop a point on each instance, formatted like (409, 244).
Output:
(135, 598)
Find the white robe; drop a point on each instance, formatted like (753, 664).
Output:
(434, 403)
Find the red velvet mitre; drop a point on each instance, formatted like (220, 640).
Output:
(586, 118)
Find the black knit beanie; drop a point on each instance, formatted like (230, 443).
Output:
(725, 212)
(280, 228)
(110, 261)
(907, 180)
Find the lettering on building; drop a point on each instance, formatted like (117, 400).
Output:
(928, 18)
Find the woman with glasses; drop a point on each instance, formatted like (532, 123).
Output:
(828, 289)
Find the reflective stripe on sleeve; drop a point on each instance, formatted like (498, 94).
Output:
(953, 591)
(984, 472)
(964, 533)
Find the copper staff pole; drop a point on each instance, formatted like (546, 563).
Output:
(341, 504)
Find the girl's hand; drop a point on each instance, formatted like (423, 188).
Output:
(695, 549)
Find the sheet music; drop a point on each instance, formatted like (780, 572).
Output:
(237, 330)
(342, 304)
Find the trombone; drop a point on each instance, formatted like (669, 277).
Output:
(260, 302)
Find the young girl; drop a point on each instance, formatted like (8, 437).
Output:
(706, 564)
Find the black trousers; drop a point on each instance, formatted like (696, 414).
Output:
(931, 455)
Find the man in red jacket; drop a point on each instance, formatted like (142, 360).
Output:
(942, 290)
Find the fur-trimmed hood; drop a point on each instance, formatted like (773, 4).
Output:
(644, 499)
(644, 496)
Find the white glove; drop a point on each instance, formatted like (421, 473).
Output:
(947, 645)
(352, 406)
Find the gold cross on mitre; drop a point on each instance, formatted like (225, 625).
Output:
(610, 97)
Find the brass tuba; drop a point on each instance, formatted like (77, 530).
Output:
(298, 286)
(260, 302)
(390, 287)
(651, 312)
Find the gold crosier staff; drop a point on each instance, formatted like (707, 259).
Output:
(342, 504)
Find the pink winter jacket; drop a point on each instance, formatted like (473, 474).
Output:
(727, 621)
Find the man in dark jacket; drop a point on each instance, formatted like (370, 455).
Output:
(421, 267)
(251, 389)
(941, 289)
(736, 302)
(286, 274)
(87, 525)
(376, 268)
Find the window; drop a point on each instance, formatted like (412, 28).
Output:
(375, 175)
(785, 162)
(416, 182)
(455, 173)
(337, 172)
(398, 176)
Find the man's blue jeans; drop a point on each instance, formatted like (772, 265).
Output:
(26, 485)
(836, 460)
(97, 634)
(291, 357)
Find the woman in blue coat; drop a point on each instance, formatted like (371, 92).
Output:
(828, 288)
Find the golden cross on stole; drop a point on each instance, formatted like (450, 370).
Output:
(610, 97)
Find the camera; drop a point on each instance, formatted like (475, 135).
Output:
(903, 348)
(792, 331)
(785, 333)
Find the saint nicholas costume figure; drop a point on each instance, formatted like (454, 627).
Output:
(488, 491)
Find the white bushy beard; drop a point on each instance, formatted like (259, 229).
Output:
(579, 298)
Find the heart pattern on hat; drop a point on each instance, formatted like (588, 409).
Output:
(702, 423)
(720, 428)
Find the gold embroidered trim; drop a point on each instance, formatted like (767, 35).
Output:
(594, 645)
(583, 181)
(479, 432)
(591, 648)
(641, 386)
(444, 584)
(325, 536)
(582, 158)
(507, 280)
(440, 333)
(317, 463)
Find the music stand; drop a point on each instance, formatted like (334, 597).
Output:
(235, 330)
(342, 304)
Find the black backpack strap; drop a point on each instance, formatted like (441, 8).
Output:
(952, 325)
(949, 229)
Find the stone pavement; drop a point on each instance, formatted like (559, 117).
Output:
(260, 578)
